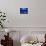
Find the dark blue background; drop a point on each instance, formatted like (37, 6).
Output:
(23, 10)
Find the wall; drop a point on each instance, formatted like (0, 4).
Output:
(35, 18)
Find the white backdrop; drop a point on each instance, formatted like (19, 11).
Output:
(35, 18)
